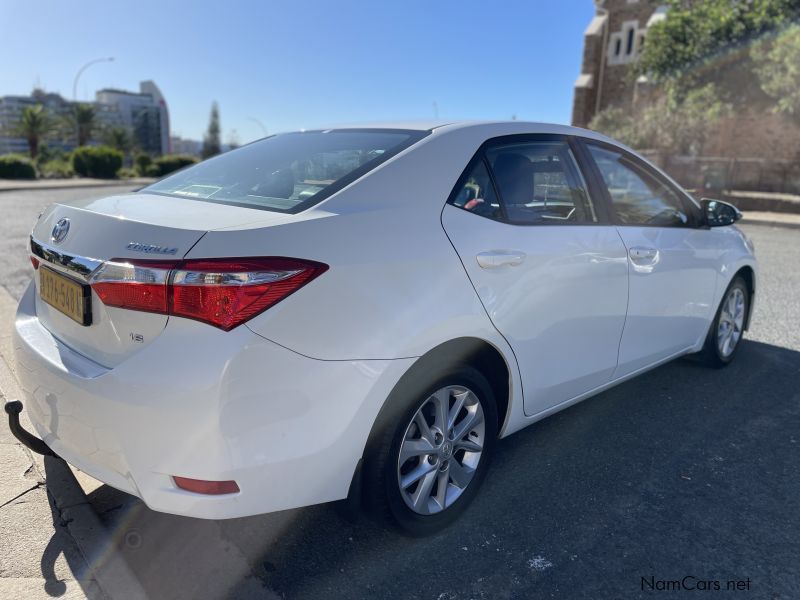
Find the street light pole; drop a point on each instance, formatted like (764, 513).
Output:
(82, 69)
(260, 124)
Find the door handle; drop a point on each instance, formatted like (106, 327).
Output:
(643, 256)
(500, 258)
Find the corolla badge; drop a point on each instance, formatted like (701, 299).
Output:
(151, 248)
(60, 230)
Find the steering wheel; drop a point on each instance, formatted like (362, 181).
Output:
(667, 213)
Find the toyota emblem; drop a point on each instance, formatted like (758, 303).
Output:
(60, 230)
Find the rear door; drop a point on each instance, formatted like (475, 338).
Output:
(550, 270)
(673, 260)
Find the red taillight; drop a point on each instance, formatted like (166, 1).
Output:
(222, 292)
(136, 285)
(200, 486)
(35, 262)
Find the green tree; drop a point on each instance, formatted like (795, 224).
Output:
(119, 139)
(708, 41)
(673, 124)
(84, 122)
(142, 162)
(778, 68)
(211, 141)
(705, 59)
(35, 124)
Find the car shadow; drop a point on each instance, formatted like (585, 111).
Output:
(60, 544)
(684, 470)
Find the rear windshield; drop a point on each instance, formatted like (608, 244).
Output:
(287, 172)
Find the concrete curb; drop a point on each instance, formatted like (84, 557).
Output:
(61, 184)
(764, 202)
(772, 222)
(106, 564)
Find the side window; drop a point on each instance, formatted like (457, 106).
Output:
(477, 193)
(540, 183)
(637, 196)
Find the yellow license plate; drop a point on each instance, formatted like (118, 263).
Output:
(65, 295)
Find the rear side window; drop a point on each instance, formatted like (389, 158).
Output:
(288, 172)
(477, 193)
(539, 183)
(531, 183)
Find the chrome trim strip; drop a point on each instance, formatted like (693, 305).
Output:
(82, 266)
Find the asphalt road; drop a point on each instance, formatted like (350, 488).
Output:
(684, 471)
(18, 213)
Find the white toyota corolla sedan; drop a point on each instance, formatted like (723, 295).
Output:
(362, 312)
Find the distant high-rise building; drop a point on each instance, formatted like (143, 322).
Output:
(143, 113)
(180, 145)
(11, 108)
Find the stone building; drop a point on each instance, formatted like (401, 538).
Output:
(612, 42)
(755, 150)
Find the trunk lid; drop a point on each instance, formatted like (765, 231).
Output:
(128, 226)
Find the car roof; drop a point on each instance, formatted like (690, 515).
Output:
(490, 128)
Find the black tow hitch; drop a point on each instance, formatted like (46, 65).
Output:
(13, 409)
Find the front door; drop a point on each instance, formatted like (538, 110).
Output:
(673, 262)
(550, 271)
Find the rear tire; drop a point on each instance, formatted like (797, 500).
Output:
(422, 469)
(727, 330)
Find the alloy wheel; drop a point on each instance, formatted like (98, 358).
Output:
(731, 322)
(441, 449)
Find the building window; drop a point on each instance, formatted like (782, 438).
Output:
(625, 44)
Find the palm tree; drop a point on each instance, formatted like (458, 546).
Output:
(84, 121)
(34, 125)
(119, 139)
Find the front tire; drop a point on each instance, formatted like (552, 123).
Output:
(726, 332)
(432, 452)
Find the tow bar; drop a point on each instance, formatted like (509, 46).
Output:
(13, 409)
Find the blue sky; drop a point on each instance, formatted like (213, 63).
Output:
(304, 63)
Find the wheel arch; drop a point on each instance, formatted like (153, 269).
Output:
(472, 351)
(749, 275)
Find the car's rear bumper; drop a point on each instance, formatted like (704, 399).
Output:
(204, 404)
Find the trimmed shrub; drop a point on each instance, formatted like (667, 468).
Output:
(127, 173)
(56, 169)
(96, 161)
(16, 166)
(172, 162)
(142, 162)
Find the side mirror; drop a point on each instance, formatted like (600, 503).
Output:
(718, 213)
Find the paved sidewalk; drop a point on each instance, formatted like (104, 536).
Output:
(15, 185)
(775, 219)
(764, 201)
(38, 558)
(51, 541)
